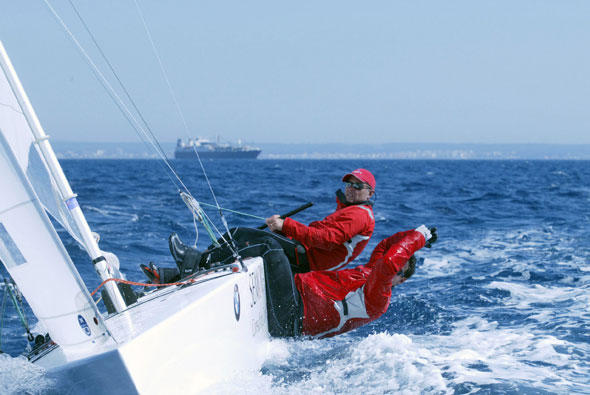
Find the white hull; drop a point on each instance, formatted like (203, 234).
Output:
(178, 339)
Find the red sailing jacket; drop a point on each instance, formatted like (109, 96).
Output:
(337, 239)
(339, 301)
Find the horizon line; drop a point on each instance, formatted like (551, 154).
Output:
(340, 143)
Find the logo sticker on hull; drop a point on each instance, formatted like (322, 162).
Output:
(83, 325)
(237, 302)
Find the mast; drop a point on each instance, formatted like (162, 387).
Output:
(68, 196)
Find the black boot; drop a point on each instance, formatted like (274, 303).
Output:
(177, 248)
(190, 263)
(187, 258)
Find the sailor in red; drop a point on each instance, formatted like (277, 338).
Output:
(339, 238)
(337, 302)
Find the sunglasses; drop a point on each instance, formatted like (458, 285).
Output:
(357, 185)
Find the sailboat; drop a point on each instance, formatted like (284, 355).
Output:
(182, 337)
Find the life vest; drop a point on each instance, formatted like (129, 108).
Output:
(336, 240)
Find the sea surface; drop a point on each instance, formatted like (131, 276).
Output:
(500, 304)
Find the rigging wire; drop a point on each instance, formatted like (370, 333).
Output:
(137, 127)
(116, 75)
(138, 111)
(16, 298)
(135, 124)
(179, 109)
(164, 73)
(144, 133)
(234, 211)
(180, 112)
(5, 294)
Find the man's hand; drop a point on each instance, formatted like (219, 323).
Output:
(433, 238)
(275, 223)
(430, 235)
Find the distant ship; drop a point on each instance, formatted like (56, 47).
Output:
(210, 150)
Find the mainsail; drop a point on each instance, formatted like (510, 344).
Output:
(30, 248)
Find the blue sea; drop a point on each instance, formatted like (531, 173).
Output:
(500, 304)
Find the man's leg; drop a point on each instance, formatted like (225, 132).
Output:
(284, 307)
(294, 250)
(244, 237)
(282, 298)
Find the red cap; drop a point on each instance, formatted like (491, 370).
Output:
(364, 175)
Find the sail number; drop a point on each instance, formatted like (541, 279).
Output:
(255, 283)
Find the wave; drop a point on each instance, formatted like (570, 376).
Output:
(110, 212)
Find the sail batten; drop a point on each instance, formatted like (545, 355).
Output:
(15, 206)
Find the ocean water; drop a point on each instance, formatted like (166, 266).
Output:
(501, 304)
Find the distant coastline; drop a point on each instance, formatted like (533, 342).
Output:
(85, 150)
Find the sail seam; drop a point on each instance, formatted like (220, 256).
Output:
(16, 205)
(16, 110)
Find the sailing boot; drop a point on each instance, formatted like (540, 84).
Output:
(190, 263)
(187, 258)
(168, 275)
(177, 248)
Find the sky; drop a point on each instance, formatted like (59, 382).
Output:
(312, 71)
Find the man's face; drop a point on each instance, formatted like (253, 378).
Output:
(354, 195)
(398, 278)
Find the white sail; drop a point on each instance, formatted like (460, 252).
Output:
(27, 142)
(30, 248)
(17, 132)
(33, 254)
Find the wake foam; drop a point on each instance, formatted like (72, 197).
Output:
(481, 353)
(345, 365)
(19, 376)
